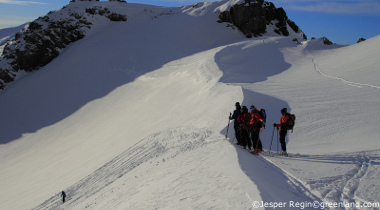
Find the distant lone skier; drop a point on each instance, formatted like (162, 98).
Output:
(283, 129)
(63, 195)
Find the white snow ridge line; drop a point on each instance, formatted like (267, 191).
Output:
(355, 84)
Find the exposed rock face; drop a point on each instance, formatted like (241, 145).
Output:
(41, 44)
(38, 44)
(361, 40)
(326, 41)
(43, 40)
(253, 17)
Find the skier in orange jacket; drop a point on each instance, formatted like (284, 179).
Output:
(283, 129)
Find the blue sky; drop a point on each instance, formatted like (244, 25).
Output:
(342, 21)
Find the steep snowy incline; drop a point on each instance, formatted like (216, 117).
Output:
(96, 67)
(335, 96)
(334, 91)
(354, 64)
(182, 164)
(83, 109)
(350, 108)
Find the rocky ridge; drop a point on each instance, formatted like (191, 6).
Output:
(43, 39)
(253, 17)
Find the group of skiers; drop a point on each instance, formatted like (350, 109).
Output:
(249, 123)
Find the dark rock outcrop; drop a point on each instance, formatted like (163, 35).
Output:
(43, 39)
(326, 41)
(253, 16)
(361, 40)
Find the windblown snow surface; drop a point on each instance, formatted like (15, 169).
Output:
(134, 116)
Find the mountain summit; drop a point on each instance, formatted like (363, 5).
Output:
(42, 40)
(258, 17)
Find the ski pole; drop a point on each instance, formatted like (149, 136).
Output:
(277, 140)
(228, 125)
(270, 147)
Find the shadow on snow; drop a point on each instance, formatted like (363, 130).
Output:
(250, 63)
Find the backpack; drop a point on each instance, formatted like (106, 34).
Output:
(263, 116)
(291, 121)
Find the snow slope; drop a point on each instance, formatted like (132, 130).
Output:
(134, 115)
(6, 33)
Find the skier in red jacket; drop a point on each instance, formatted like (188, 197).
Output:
(255, 123)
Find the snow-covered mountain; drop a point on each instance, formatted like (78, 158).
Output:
(134, 116)
(42, 40)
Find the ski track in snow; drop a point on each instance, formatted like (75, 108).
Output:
(342, 188)
(335, 189)
(338, 189)
(294, 181)
(157, 145)
(354, 84)
(296, 184)
(166, 145)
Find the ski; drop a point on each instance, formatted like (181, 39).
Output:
(258, 151)
(267, 153)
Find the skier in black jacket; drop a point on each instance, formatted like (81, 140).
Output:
(236, 123)
(63, 195)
